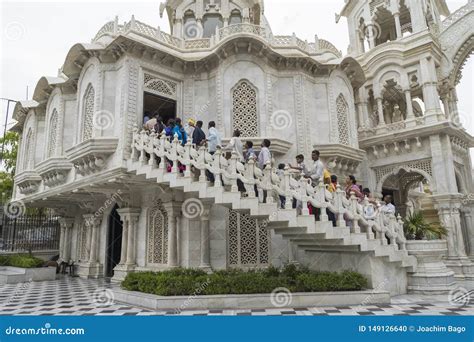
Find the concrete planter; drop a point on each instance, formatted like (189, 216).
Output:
(251, 301)
(431, 276)
(13, 275)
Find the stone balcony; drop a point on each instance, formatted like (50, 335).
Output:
(54, 171)
(28, 182)
(112, 29)
(90, 156)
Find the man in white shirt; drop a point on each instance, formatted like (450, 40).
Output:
(213, 138)
(264, 156)
(388, 208)
(236, 145)
(315, 173)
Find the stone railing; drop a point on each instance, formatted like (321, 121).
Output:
(113, 29)
(158, 151)
(460, 13)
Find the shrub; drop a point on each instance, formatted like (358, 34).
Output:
(187, 282)
(23, 261)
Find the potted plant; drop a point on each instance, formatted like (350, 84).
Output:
(426, 242)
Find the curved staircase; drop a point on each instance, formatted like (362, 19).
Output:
(369, 232)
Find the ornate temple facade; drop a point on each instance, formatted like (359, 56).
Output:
(385, 112)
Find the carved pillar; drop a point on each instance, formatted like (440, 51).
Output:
(448, 207)
(129, 218)
(205, 239)
(93, 225)
(398, 26)
(174, 211)
(380, 111)
(67, 225)
(430, 87)
(410, 113)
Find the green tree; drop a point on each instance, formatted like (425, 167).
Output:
(8, 160)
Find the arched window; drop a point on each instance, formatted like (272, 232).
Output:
(342, 120)
(248, 241)
(210, 23)
(157, 226)
(235, 17)
(88, 116)
(28, 151)
(53, 134)
(244, 109)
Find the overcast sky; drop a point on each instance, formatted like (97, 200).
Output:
(36, 36)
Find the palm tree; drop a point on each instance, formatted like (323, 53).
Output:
(416, 228)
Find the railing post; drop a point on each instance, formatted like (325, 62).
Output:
(151, 146)
(288, 195)
(250, 175)
(321, 198)
(341, 223)
(162, 153)
(174, 154)
(216, 165)
(187, 158)
(355, 222)
(202, 164)
(233, 172)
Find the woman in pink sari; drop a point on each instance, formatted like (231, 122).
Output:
(352, 186)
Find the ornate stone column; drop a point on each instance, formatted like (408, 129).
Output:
(205, 239)
(380, 111)
(129, 218)
(92, 267)
(174, 211)
(430, 90)
(448, 207)
(398, 26)
(66, 225)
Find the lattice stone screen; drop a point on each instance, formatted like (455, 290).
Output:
(342, 120)
(248, 241)
(29, 151)
(88, 122)
(244, 109)
(53, 133)
(157, 248)
(160, 87)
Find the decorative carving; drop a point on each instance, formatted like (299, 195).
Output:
(160, 86)
(157, 228)
(244, 109)
(423, 165)
(88, 110)
(342, 120)
(248, 241)
(53, 134)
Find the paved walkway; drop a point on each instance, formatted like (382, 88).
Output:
(74, 296)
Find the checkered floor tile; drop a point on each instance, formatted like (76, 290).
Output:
(74, 296)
